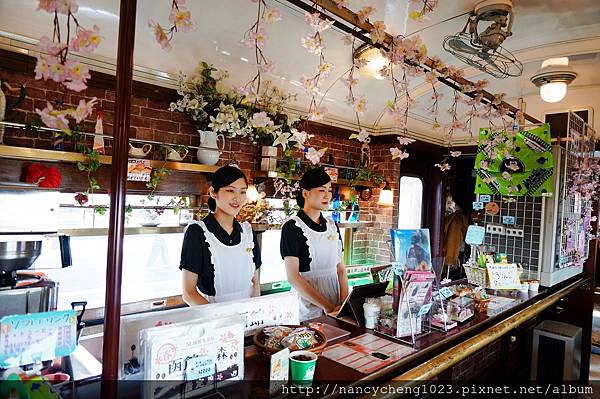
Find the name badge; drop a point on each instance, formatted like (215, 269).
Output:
(331, 237)
(249, 249)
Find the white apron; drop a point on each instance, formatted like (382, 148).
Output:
(325, 250)
(233, 264)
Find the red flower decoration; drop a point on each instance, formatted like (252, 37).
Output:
(43, 176)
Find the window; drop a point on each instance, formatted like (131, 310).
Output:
(410, 202)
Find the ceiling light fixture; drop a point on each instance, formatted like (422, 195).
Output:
(553, 78)
(374, 60)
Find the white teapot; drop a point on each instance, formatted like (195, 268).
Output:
(139, 152)
(174, 155)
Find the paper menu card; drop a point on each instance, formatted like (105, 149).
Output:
(35, 337)
(203, 351)
(367, 353)
(503, 276)
(270, 310)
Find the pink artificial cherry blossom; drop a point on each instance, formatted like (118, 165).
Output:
(364, 13)
(53, 119)
(160, 36)
(181, 18)
(314, 156)
(398, 153)
(317, 114)
(86, 41)
(84, 109)
(378, 32)
(272, 15)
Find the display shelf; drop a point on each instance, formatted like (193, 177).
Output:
(36, 154)
(259, 228)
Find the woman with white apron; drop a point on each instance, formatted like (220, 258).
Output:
(311, 247)
(220, 257)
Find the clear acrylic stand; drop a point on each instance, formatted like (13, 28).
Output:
(423, 321)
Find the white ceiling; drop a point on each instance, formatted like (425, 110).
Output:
(542, 29)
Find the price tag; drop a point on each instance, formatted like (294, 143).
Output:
(424, 309)
(477, 205)
(475, 235)
(508, 220)
(199, 367)
(485, 198)
(446, 292)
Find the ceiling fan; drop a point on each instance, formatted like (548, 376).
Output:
(483, 49)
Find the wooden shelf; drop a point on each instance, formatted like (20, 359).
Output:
(35, 154)
(342, 182)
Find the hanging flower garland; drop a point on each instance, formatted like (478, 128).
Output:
(314, 44)
(357, 102)
(53, 63)
(584, 184)
(181, 20)
(255, 38)
(406, 54)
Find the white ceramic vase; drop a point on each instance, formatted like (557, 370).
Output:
(209, 151)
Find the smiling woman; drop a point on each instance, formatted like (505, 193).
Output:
(220, 257)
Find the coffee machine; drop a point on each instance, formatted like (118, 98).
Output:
(28, 217)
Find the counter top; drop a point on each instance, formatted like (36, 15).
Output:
(427, 346)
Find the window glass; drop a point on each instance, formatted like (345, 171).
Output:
(410, 202)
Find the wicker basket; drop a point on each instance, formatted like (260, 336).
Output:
(266, 352)
(477, 276)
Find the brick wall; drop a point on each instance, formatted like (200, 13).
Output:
(151, 120)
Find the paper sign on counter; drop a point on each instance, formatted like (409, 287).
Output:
(280, 369)
(503, 276)
(31, 338)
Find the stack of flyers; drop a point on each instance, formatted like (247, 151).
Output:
(416, 293)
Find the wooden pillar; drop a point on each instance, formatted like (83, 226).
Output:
(118, 187)
(437, 212)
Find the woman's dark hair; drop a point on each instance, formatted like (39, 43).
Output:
(223, 177)
(311, 179)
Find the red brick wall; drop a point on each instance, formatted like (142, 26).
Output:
(151, 120)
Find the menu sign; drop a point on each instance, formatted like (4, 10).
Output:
(199, 351)
(503, 276)
(138, 170)
(32, 338)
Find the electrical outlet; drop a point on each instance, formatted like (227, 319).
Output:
(494, 229)
(511, 231)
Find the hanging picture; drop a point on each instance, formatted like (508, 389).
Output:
(517, 165)
(411, 249)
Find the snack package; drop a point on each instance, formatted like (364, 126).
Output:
(301, 338)
(277, 331)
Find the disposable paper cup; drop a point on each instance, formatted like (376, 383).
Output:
(302, 371)
(534, 286)
(371, 311)
(524, 287)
